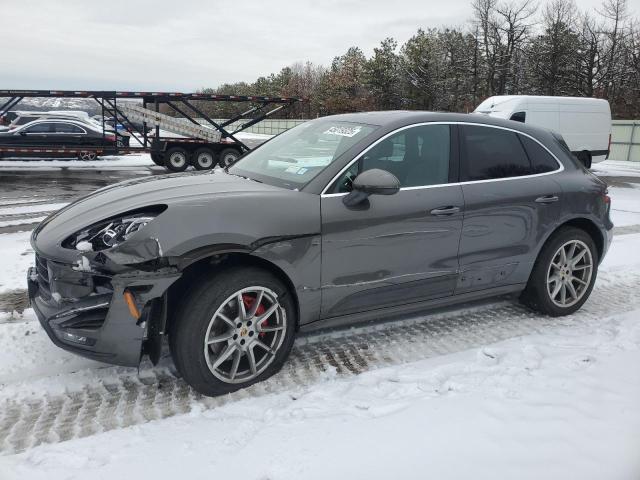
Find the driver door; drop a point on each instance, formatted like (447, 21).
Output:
(401, 248)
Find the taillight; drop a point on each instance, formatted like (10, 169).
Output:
(111, 138)
(606, 198)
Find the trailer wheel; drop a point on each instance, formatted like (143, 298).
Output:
(176, 159)
(228, 157)
(87, 156)
(203, 159)
(158, 159)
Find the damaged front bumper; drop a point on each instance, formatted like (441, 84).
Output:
(86, 312)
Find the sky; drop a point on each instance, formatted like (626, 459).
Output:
(185, 45)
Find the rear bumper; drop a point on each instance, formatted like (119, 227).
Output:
(100, 326)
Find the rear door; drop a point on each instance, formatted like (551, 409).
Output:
(511, 202)
(67, 134)
(401, 248)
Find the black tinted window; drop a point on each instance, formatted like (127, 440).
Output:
(519, 117)
(66, 128)
(39, 128)
(493, 153)
(541, 160)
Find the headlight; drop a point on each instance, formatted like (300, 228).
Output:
(111, 232)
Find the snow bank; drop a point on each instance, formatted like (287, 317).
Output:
(17, 256)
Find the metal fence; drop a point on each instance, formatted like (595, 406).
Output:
(625, 140)
(269, 126)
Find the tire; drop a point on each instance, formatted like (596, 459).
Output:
(585, 159)
(158, 159)
(176, 159)
(197, 319)
(203, 159)
(228, 157)
(87, 156)
(538, 293)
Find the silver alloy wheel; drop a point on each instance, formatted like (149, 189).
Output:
(87, 156)
(205, 160)
(569, 274)
(245, 334)
(178, 159)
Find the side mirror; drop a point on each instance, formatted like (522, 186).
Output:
(376, 182)
(371, 182)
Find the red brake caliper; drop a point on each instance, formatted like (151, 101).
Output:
(248, 302)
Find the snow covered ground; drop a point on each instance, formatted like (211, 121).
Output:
(491, 391)
(113, 161)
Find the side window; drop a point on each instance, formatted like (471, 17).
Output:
(493, 153)
(417, 156)
(39, 128)
(541, 160)
(519, 117)
(66, 128)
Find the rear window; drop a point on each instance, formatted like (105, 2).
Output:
(541, 160)
(493, 153)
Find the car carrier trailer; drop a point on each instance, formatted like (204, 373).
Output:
(200, 141)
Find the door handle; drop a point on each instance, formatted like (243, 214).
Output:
(445, 211)
(547, 199)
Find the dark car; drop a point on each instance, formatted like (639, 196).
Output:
(343, 219)
(49, 133)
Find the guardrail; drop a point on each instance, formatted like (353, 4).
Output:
(625, 140)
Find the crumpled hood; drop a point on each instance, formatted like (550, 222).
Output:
(194, 199)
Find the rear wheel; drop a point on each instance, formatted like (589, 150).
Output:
(157, 158)
(585, 158)
(228, 157)
(203, 159)
(87, 156)
(564, 273)
(176, 159)
(234, 330)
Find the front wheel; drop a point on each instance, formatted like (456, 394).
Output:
(564, 273)
(237, 328)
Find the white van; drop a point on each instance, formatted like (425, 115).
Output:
(584, 123)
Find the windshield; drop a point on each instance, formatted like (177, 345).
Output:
(295, 157)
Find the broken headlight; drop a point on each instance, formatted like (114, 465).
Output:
(111, 232)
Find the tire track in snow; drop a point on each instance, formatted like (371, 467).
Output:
(156, 393)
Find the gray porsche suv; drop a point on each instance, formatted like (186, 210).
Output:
(343, 219)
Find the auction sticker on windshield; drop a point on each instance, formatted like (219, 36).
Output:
(344, 131)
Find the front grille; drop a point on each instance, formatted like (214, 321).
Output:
(43, 277)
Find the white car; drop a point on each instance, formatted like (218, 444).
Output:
(584, 123)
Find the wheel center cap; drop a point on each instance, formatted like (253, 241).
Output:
(244, 331)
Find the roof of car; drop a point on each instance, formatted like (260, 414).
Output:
(393, 119)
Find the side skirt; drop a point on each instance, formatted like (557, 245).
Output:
(381, 315)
